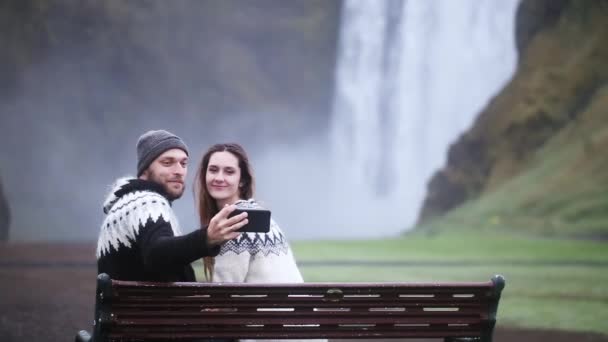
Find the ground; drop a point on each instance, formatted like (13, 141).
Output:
(47, 293)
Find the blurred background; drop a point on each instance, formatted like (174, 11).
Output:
(362, 118)
(393, 140)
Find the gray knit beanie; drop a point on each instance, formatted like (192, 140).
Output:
(152, 144)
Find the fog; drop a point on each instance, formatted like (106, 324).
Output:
(72, 121)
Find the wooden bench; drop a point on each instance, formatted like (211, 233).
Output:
(129, 311)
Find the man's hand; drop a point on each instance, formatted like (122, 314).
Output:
(221, 228)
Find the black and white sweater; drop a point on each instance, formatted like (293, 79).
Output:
(140, 238)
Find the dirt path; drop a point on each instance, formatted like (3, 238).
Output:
(51, 297)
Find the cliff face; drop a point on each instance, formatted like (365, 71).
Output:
(80, 80)
(5, 217)
(558, 86)
(195, 59)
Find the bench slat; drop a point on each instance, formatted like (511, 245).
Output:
(281, 333)
(282, 319)
(274, 290)
(304, 333)
(302, 314)
(300, 305)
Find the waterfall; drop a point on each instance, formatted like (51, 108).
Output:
(411, 76)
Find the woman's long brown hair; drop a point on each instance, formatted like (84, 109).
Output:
(207, 206)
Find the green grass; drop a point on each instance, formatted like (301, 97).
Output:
(559, 206)
(561, 191)
(544, 289)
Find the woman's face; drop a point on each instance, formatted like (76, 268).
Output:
(223, 176)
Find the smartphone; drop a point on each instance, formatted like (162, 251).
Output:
(259, 220)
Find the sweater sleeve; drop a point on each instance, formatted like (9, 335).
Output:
(161, 250)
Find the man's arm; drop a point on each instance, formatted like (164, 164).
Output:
(160, 249)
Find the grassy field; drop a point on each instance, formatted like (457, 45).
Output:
(563, 191)
(551, 283)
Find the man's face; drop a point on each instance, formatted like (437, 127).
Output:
(169, 170)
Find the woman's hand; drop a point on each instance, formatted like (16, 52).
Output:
(221, 228)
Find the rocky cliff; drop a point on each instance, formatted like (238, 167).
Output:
(555, 101)
(80, 80)
(117, 63)
(5, 217)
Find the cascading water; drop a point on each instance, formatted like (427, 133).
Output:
(411, 76)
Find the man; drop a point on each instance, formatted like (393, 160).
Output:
(140, 238)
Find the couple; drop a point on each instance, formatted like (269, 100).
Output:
(140, 238)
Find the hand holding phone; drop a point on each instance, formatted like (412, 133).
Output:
(259, 219)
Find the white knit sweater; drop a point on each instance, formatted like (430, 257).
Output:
(258, 258)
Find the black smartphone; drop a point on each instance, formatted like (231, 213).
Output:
(259, 220)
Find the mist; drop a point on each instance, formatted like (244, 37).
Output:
(265, 74)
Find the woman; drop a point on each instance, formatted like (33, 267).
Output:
(225, 177)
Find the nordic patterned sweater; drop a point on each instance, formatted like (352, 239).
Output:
(140, 238)
(257, 258)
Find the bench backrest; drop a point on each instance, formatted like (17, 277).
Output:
(128, 310)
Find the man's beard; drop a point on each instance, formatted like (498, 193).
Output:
(170, 194)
